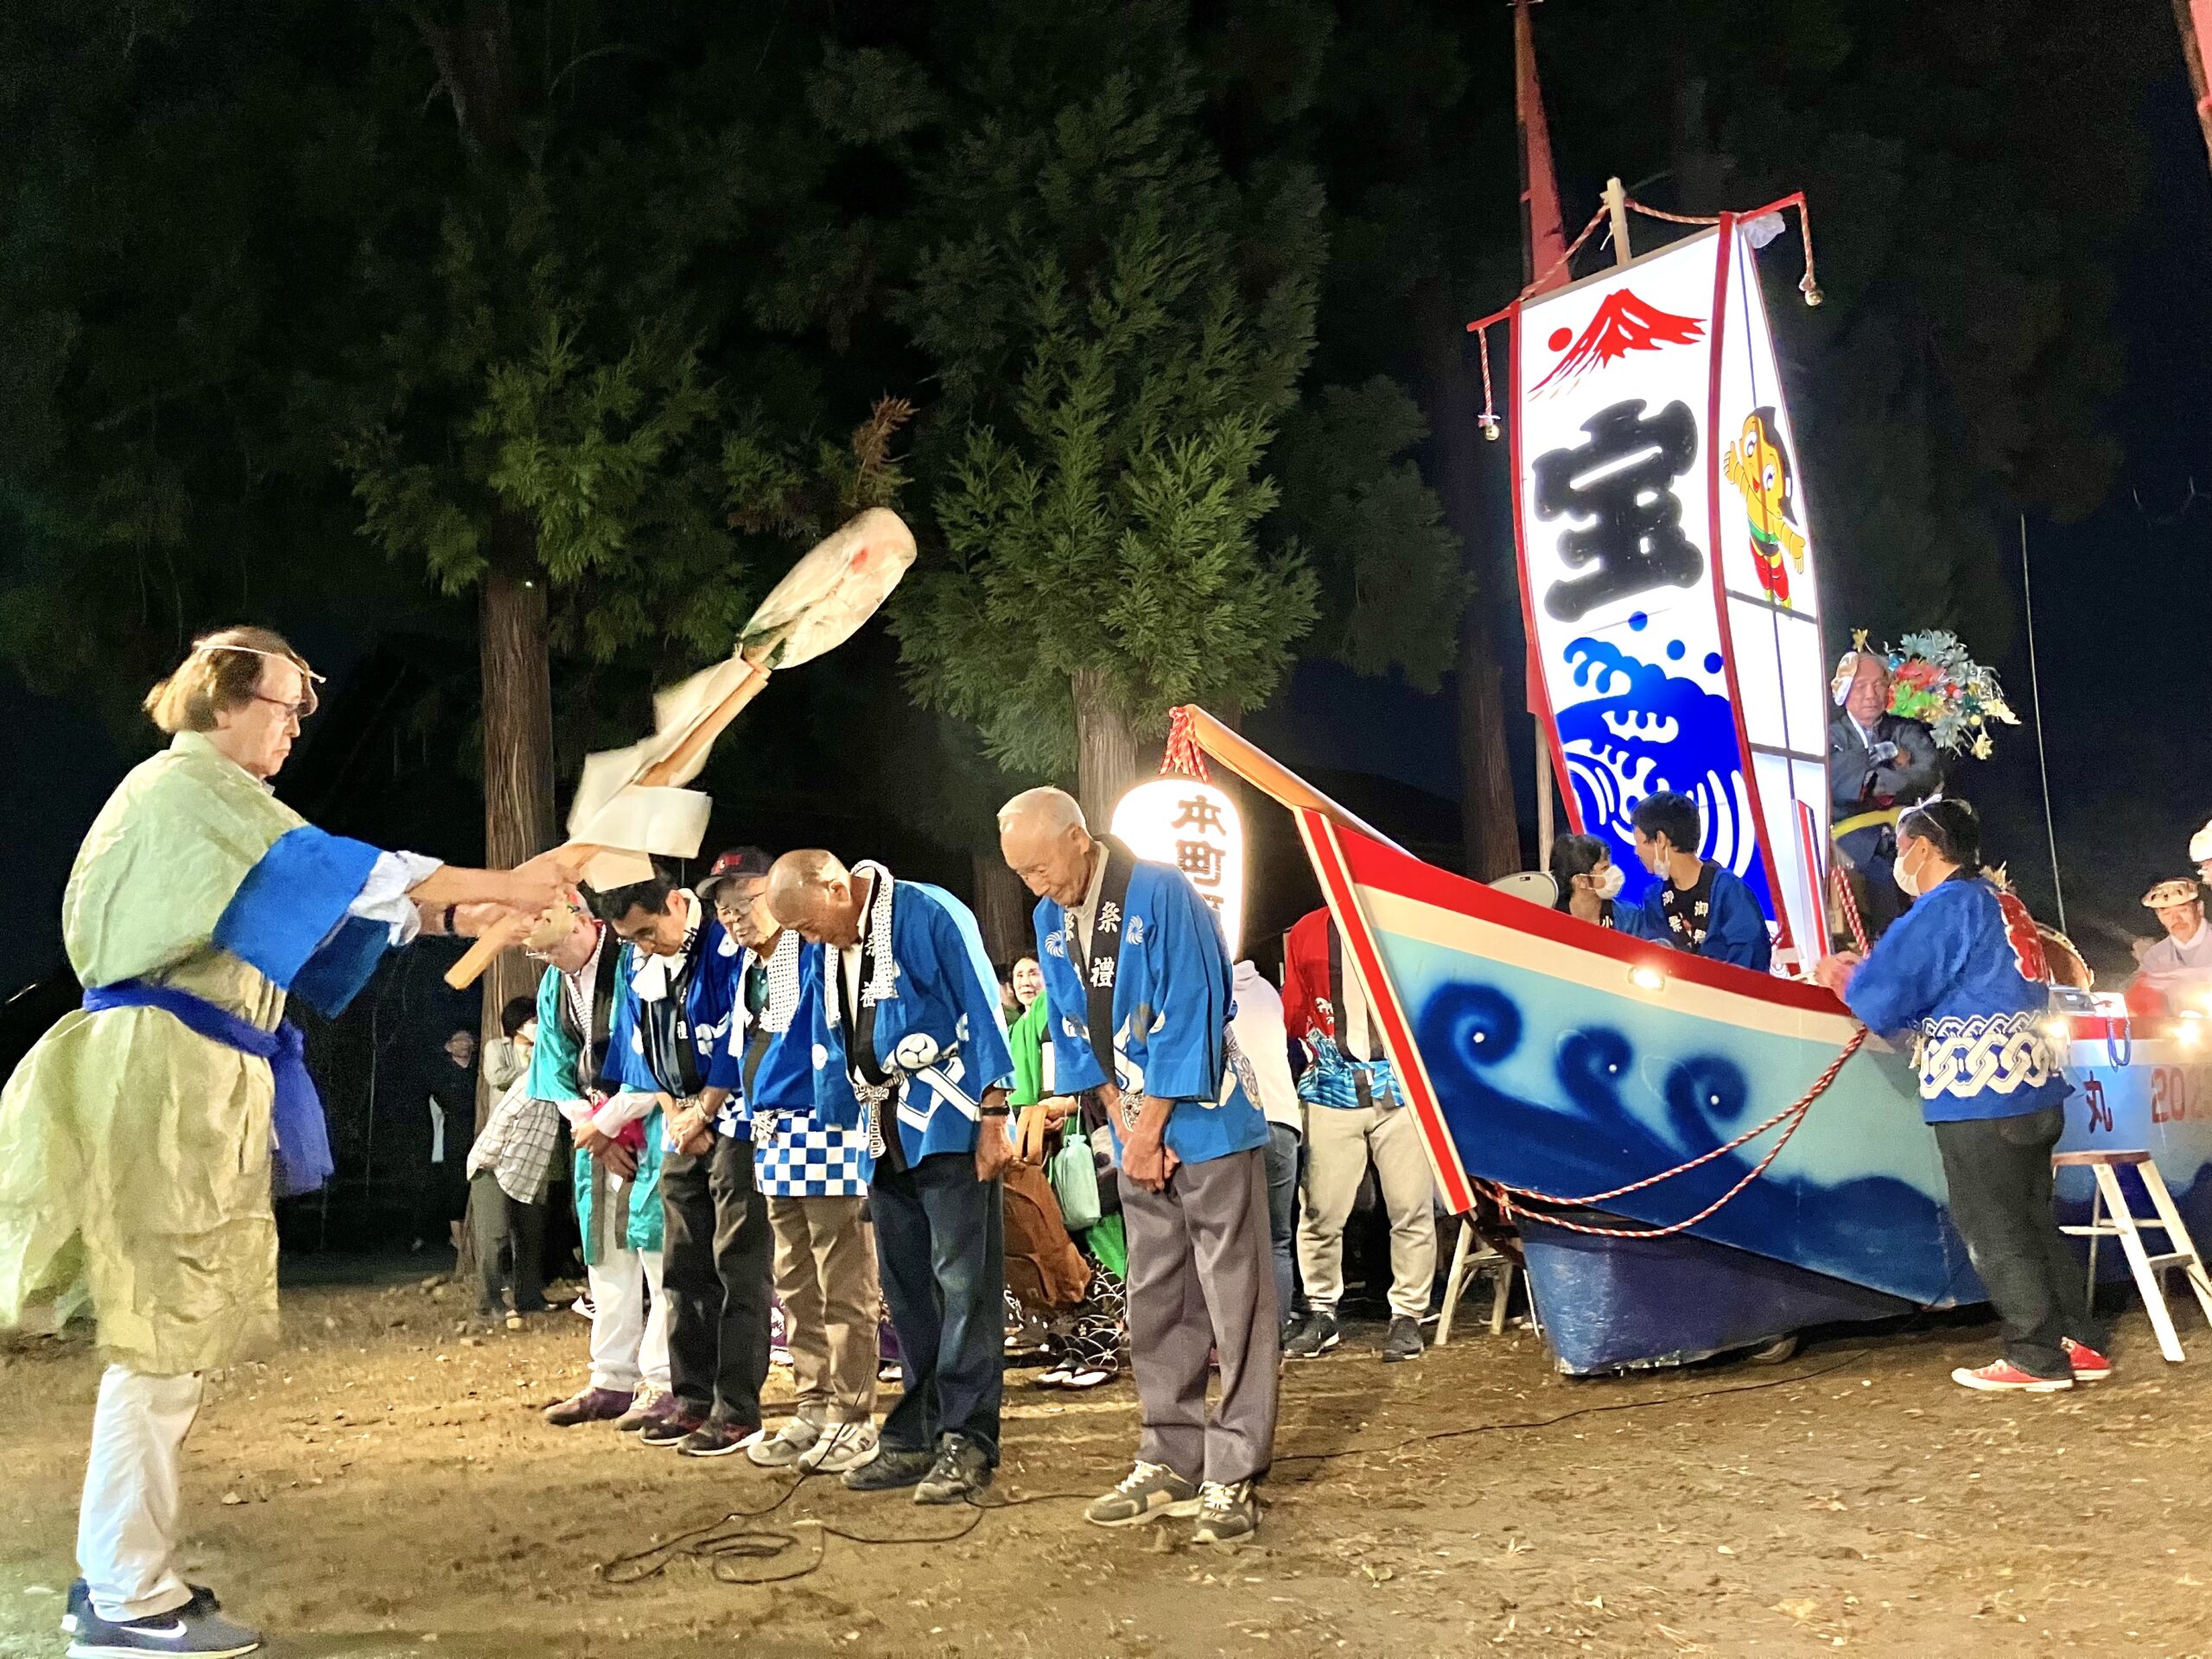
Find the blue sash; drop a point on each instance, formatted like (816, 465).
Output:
(301, 1154)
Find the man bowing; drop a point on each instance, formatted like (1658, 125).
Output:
(909, 1047)
(1139, 981)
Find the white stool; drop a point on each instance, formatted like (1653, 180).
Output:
(2110, 1217)
(1469, 1255)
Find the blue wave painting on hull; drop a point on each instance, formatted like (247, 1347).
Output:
(1572, 1091)
(1648, 730)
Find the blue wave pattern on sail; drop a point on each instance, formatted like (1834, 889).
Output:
(1558, 1087)
(1644, 730)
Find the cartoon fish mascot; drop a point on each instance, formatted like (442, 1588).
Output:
(1760, 468)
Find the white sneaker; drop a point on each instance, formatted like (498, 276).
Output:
(787, 1446)
(843, 1447)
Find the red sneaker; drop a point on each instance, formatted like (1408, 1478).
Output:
(2089, 1365)
(2005, 1377)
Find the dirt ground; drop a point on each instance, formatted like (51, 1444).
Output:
(387, 1489)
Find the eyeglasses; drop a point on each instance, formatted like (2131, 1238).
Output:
(296, 712)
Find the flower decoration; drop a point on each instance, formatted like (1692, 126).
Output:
(1934, 680)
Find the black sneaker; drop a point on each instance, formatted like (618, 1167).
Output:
(195, 1628)
(1404, 1341)
(962, 1470)
(716, 1438)
(80, 1603)
(679, 1426)
(1315, 1337)
(892, 1467)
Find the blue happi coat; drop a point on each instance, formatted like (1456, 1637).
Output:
(707, 977)
(939, 1035)
(1735, 929)
(1172, 1008)
(1951, 969)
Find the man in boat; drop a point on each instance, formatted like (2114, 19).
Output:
(1354, 1115)
(1964, 966)
(2178, 967)
(1879, 764)
(1696, 905)
(1139, 983)
(669, 1039)
(907, 1027)
(616, 1172)
(142, 1138)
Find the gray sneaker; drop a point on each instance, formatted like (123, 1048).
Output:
(80, 1603)
(1315, 1337)
(786, 1446)
(843, 1447)
(1151, 1491)
(195, 1629)
(1228, 1513)
(1404, 1341)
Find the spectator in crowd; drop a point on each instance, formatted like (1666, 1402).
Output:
(1086, 1345)
(1587, 879)
(450, 1099)
(671, 1040)
(1355, 1116)
(506, 1056)
(1696, 905)
(1141, 984)
(813, 1177)
(1964, 969)
(1259, 1034)
(617, 1171)
(510, 1168)
(1879, 763)
(2177, 967)
(911, 1051)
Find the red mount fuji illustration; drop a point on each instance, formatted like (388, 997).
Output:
(1624, 324)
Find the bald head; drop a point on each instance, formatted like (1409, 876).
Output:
(1045, 841)
(813, 894)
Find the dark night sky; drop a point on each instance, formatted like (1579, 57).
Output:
(2120, 606)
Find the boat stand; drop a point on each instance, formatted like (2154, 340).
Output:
(2110, 1217)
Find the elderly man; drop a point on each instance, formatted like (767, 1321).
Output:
(2179, 966)
(814, 1177)
(1139, 983)
(670, 1039)
(1877, 763)
(906, 1022)
(147, 1131)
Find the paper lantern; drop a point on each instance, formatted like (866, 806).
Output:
(1196, 828)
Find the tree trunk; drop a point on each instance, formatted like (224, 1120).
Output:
(1107, 760)
(517, 754)
(1002, 909)
(1488, 818)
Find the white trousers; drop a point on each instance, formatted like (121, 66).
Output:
(1339, 1141)
(127, 1526)
(629, 1321)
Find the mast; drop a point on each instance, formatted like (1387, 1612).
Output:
(1543, 266)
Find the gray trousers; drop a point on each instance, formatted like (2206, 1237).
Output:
(1202, 1279)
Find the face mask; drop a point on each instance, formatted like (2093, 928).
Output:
(1908, 885)
(1609, 885)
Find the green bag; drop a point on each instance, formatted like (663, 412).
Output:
(1075, 1183)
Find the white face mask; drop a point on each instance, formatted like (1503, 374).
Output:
(1909, 886)
(1608, 883)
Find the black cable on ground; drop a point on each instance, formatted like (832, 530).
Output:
(717, 1548)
